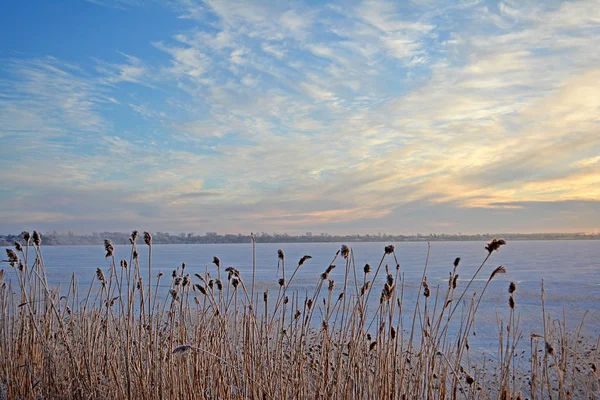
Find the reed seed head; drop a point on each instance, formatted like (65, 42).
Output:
(235, 282)
(372, 345)
(182, 348)
(456, 262)
(494, 245)
(331, 285)
(37, 238)
(511, 302)
(134, 237)
(110, 250)
(499, 270)
(100, 275)
(303, 259)
(345, 250)
(280, 254)
(512, 287)
(281, 281)
(367, 268)
(135, 255)
(365, 287)
(200, 288)
(216, 261)
(123, 263)
(219, 284)
(426, 291)
(390, 279)
(13, 259)
(389, 249)
(455, 281)
(18, 246)
(26, 237)
(148, 238)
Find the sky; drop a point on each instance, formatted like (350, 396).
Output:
(341, 117)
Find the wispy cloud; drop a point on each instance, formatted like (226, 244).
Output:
(371, 116)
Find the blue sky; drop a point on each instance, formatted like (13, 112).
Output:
(342, 117)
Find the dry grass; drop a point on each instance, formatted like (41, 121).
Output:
(210, 337)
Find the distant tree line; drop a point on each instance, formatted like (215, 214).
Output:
(57, 239)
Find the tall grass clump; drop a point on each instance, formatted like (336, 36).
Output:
(210, 336)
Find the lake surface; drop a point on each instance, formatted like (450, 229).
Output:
(570, 270)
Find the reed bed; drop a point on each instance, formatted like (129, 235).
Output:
(212, 337)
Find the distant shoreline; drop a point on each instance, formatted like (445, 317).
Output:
(119, 238)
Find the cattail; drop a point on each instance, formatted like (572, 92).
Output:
(511, 302)
(266, 296)
(26, 237)
(216, 261)
(13, 259)
(512, 287)
(499, 270)
(345, 250)
(182, 348)
(303, 259)
(100, 275)
(494, 245)
(281, 281)
(280, 254)
(456, 262)
(389, 249)
(454, 281)
(367, 268)
(426, 291)
(110, 250)
(148, 238)
(286, 300)
(309, 303)
(18, 246)
(392, 332)
(37, 238)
